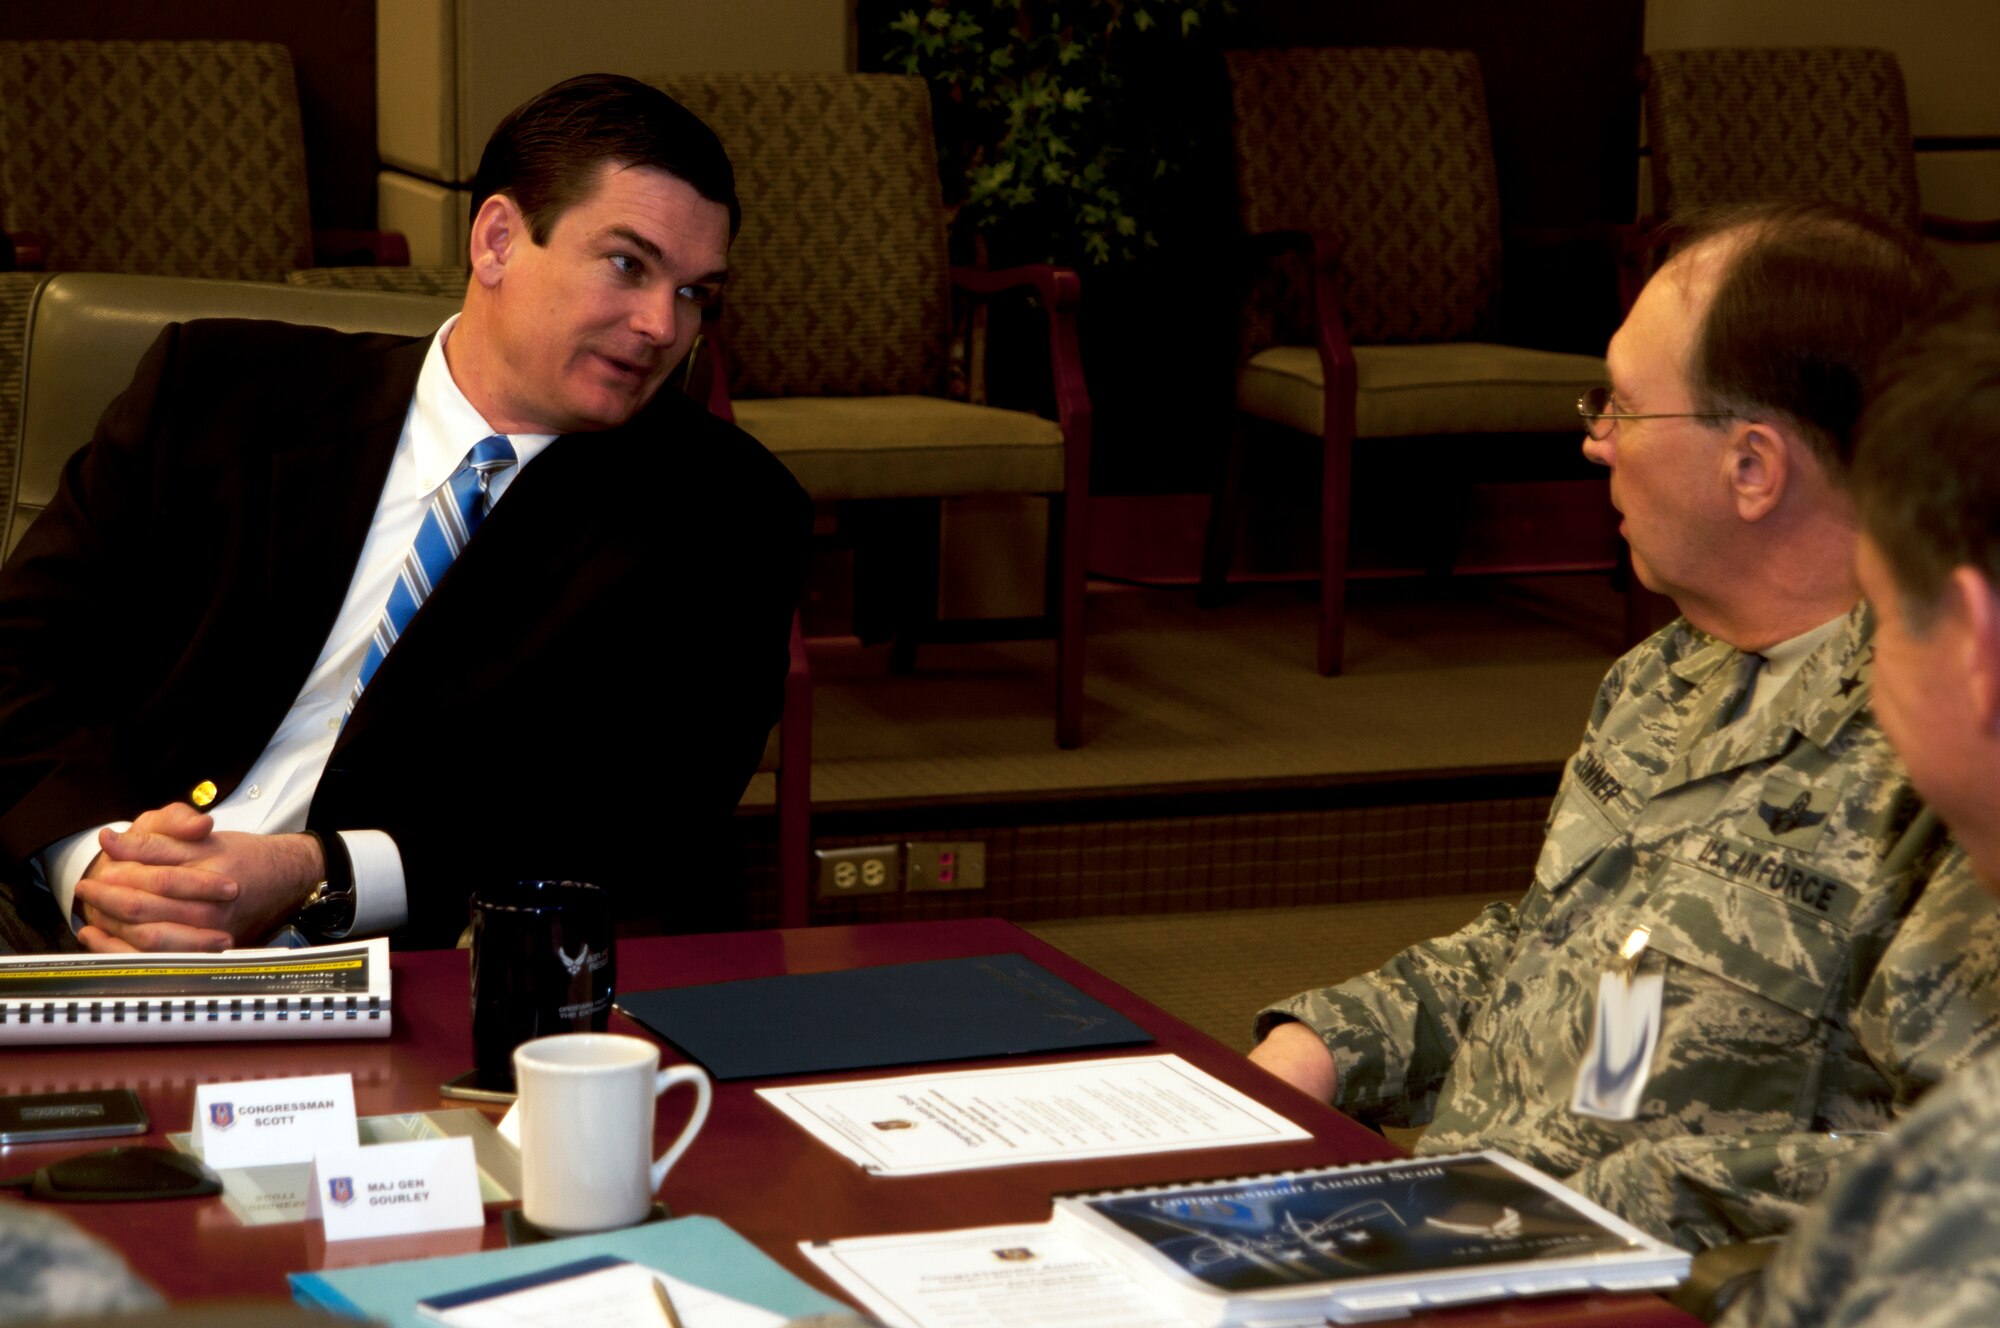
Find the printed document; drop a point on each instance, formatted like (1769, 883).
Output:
(991, 1277)
(959, 1121)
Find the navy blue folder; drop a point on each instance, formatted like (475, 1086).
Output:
(895, 1014)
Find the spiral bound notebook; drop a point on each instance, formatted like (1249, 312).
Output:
(326, 991)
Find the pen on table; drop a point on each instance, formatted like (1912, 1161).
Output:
(666, 1302)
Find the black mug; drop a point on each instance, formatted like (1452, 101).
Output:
(542, 963)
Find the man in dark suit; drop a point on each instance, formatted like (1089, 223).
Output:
(240, 686)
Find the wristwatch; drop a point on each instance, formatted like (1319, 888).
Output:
(328, 913)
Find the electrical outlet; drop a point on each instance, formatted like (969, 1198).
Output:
(960, 866)
(871, 869)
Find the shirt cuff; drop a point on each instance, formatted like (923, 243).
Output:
(63, 863)
(381, 904)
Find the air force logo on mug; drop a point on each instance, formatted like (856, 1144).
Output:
(221, 1115)
(585, 956)
(340, 1189)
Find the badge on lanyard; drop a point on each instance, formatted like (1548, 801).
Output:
(1623, 1036)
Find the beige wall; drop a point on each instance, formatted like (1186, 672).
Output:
(1948, 50)
(447, 70)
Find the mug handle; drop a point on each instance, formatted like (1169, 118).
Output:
(667, 1078)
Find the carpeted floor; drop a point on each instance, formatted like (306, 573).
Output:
(1455, 676)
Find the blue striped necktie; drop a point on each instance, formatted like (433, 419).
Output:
(455, 513)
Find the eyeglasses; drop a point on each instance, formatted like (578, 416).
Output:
(1598, 417)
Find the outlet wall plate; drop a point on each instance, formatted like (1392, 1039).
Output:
(870, 869)
(944, 866)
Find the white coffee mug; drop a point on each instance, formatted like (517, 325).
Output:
(587, 1105)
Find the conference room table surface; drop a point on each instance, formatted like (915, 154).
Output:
(751, 1167)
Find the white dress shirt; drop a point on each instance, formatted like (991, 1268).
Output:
(440, 429)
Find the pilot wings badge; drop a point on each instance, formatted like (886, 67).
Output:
(1790, 812)
(1794, 815)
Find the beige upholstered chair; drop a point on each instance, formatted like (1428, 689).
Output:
(177, 158)
(1750, 124)
(17, 294)
(1366, 178)
(837, 320)
(86, 333)
(421, 279)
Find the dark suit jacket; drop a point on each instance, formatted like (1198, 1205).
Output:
(585, 693)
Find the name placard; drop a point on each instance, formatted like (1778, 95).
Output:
(396, 1189)
(266, 1121)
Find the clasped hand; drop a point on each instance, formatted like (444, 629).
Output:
(174, 882)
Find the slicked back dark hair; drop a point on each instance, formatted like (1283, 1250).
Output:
(548, 152)
(1927, 470)
(1812, 293)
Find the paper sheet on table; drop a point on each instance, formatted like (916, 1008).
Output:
(1117, 1106)
(990, 1277)
(612, 1297)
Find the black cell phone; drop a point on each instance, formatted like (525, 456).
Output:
(95, 1114)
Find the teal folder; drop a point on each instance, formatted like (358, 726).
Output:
(701, 1250)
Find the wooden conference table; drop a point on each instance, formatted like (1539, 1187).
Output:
(751, 1167)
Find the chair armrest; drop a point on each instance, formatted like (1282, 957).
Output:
(23, 251)
(705, 376)
(1960, 230)
(1058, 286)
(1622, 241)
(1061, 293)
(1336, 349)
(1322, 247)
(795, 784)
(1567, 287)
(344, 248)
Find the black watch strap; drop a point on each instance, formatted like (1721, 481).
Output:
(328, 913)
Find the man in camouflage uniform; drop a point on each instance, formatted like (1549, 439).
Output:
(1907, 1234)
(1734, 816)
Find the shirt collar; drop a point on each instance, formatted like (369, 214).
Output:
(449, 426)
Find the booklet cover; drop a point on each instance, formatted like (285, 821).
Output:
(1363, 1242)
(892, 1014)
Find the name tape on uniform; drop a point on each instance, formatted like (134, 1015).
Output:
(267, 1121)
(396, 1189)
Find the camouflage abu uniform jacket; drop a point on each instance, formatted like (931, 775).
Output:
(1906, 1235)
(1775, 861)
